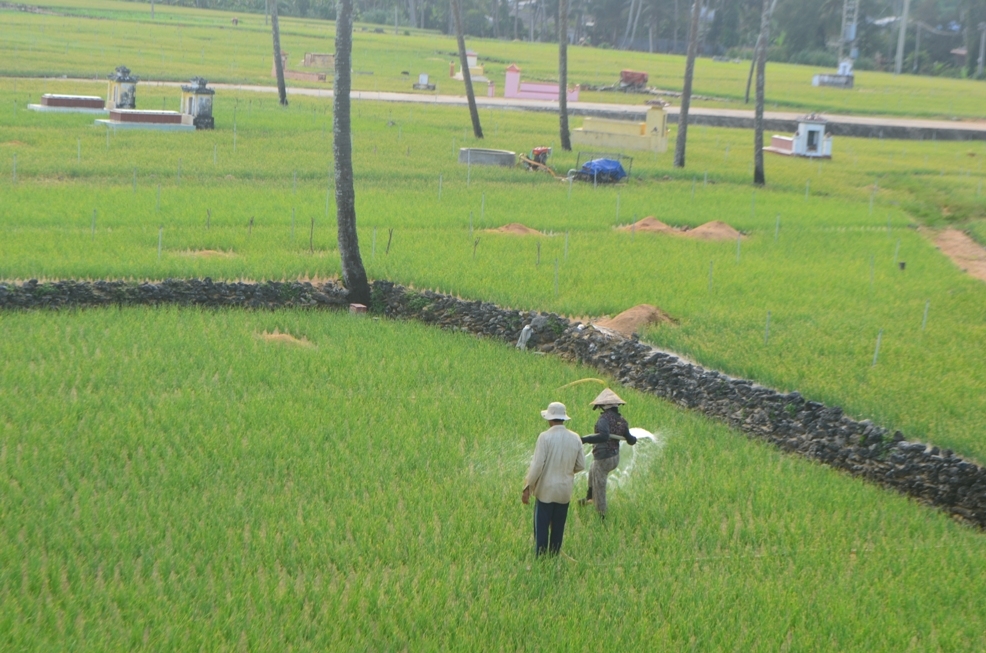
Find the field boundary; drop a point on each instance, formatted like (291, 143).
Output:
(787, 420)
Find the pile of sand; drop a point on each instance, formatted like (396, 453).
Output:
(634, 319)
(648, 224)
(714, 230)
(966, 253)
(516, 229)
(277, 336)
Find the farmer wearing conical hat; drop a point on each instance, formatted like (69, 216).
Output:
(606, 448)
(558, 456)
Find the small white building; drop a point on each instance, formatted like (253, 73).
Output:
(811, 140)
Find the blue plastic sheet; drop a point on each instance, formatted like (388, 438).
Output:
(606, 170)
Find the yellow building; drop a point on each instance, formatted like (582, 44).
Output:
(650, 135)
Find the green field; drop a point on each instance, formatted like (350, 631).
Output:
(88, 39)
(172, 480)
(360, 492)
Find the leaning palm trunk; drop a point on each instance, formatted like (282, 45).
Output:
(353, 274)
(686, 92)
(566, 141)
(477, 129)
(282, 92)
(761, 58)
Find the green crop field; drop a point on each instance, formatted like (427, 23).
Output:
(173, 480)
(85, 38)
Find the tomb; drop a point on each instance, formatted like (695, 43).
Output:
(842, 79)
(650, 135)
(476, 72)
(296, 74)
(196, 102)
(809, 141)
(70, 104)
(514, 88)
(158, 120)
(423, 83)
(122, 92)
(319, 60)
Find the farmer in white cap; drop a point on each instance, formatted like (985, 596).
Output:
(558, 456)
(606, 449)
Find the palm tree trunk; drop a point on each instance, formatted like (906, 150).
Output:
(761, 57)
(636, 21)
(566, 142)
(686, 91)
(477, 129)
(761, 60)
(412, 11)
(282, 92)
(626, 33)
(353, 273)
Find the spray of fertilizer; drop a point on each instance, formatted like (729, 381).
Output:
(635, 460)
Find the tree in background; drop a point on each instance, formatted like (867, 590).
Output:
(477, 129)
(686, 92)
(353, 273)
(566, 142)
(282, 92)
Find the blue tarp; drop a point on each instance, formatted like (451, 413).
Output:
(604, 169)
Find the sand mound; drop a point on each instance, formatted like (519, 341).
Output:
(208, 253)
(650, 223)
(633, 319)
(277, 336)
(517, 229)
(966, 253)
(714, 230)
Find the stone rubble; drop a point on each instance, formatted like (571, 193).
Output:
(787, 420)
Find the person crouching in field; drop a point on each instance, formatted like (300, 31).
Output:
(605, 450)
(558, 456)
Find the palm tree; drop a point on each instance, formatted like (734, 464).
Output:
(353, 274)
(566, 141)
(477, 129)
(761, 58)
(686, 92)
(282, 92)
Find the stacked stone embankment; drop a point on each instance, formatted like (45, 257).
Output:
(787, 420)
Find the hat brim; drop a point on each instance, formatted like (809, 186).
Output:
(550, 417)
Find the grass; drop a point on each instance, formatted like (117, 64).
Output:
(87, 39)
(362, 493)
(829, 279)
(171, 480)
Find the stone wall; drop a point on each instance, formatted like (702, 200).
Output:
(787, 420)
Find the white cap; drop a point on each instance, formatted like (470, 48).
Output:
(556, 410)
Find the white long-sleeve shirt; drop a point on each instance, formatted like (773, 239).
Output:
(558, 455)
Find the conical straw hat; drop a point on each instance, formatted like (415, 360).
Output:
(607, 398)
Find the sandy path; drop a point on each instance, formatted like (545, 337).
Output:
(966, 253)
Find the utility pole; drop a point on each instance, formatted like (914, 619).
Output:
(901, 35)
(850, 9)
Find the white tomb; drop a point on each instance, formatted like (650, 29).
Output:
(810, 140)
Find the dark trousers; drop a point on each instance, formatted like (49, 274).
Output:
(549, 517)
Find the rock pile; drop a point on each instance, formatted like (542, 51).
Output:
(185, 292)
(788, 420)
